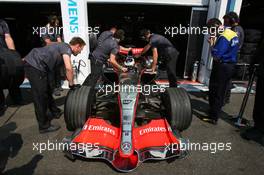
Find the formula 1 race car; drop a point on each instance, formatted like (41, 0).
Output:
(124, 122)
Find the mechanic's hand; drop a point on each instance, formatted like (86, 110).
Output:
(74, 87)
(124, 69)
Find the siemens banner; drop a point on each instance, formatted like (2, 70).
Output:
(75, 23)
(73, 16)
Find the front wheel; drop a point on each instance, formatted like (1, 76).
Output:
(178, 109)
(78, 107)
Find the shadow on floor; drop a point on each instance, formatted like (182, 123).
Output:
(10, 144)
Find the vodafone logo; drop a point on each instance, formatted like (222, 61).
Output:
(153, 129)
(99, 128)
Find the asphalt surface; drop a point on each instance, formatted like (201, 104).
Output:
(18, 133)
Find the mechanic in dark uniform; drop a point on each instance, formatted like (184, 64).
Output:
(231, 20)
(224, 53)
(6, 42)
(161, 46)
(106, 50)
(51, 34)
(108, 34)
(257, 132)
(39, 63)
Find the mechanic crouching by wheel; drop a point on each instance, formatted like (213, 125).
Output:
(106, 50)
(224, 53)
(39, 63)
(163, 47)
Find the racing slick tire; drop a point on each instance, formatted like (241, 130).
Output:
(178, 108)
(78, 107)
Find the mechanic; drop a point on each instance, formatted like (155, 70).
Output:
(51, 34)
(106, 34)
(163, 47)
(110, 33)
(231, 20)
(39, 63)
(106, 50)
(6, 42)
(257, 132)
(224, 54)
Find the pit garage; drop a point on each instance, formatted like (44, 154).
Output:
(24, 151)
(134, 17)
(23, 20)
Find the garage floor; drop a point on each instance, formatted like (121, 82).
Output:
(18, 132)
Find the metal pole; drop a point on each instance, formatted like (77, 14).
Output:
(245, 99)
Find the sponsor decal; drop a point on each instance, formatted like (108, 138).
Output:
(125, 117)
(153, 129)
(73, 16)
(126, 146)
(126, 102)
(126, 123)
(99, 128)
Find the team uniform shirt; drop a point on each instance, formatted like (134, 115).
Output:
(3, 30)
(105, 35)
(226, 47)
(161, 43)
(47, 58)
(103, 50)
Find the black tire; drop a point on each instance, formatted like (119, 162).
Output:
(78, 107)
(252, 35)
(178, 108)
(249, 48)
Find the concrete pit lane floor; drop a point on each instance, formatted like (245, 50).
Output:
(20, 143)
